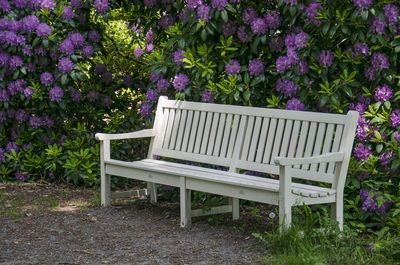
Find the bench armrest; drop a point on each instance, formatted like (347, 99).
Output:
(131, 135)
(325, 158)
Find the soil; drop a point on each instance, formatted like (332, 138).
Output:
(60, 224)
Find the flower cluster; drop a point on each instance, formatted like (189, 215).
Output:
(370, 204)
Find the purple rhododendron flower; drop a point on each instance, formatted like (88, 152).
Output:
(138, 52)
(203, 12)
(43, 30)
(242, 34)
(379, 61)
(93, 95)
(65, 65)
(21, 115)
(20, 3)
(276, 44)
(178, 56)
(102, 6)
(301, 40)
(256, 67)
(362, 4)
(282, 63)
(30, 23)
(76, 3)
(56, 94)
(149, 47)
(219, 4)
(77, 39)
(75, 95)
(290, 41)
(326, 58)
(207, 96)
(87, 51)
(363, 129)
(272, 19)
(303, 67)
(248, 15)
(21, 175)
(15, 62)
(2, 156)
(291, 2)
(93, 36)
(377, 25)
(162, 85)
(385, 158)
(46, 79)
(361, 152)
(47, 4)
(383, 93)
(391, 14)
(292, 56)
(228, 28)
(4, 95)
(360, 48)
(232, 68)
(295, 104)
(100, 68)
(3, 116)
(68, 13)
(154, 77)
(166, 21)
(395, 118)
(180, 82)
(12, 146)
(369, 73)
(145, 110)
(192, 4)
(150, 3)
(67, 47)
(151, 95)
(286, 87)
(150, 36)
(259, 26)
(312, 12)
(107, 77)
(28, 92)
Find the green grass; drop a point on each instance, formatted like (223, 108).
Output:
(302, 244)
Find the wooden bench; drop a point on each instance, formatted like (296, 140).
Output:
(313, 148)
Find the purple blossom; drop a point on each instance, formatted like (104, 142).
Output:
(256, 67)
(203, 12)
(106, 101)
(286, 87)
(396, 136)
(77, 39)
(361, 152)
(27, 50)
(21, 115)
(67, 47)
(248, 15)
(138, 52)
(228, 28)
(3, 116)
(166, 21)
(326, 58)
(180, 82)
(154, 77)
(192, 4)
(35, 4)
(232, 68)
(15, 62)
(303, 67)
(30, 23)
(15, 25)
(149, 47)
(40, 50)
(76, 4)
(107, 77)
(35, 122)
(43, 30)
(68, 13)
(56, 94)
(12, 146)
(301, 40)
(28, 92)
(395, 118)
(93, 95)
(292, 56)
(87, 51)
(272, 19)
(4, 58)
(383, 93)
(102, 6)
(150, 36)
(312, 12)
(363, 130)
(379, 61)
(276, 44)
(360, 107)
(46, 79)
(93, 36)
(282, 63)
(369, 73)
(362, 4)
(360, 48)
(242, 34)
(178, 56)
(47, 4)
(291, 2)
(207, 96)
(363, 176)
(295, 104)
(377, 25)
(385, 158)
(75, 95)
(151, 95)
(4, 95)
(145, 110)
(218, 4)
(391, 14)
(259, 26)
(5, 5)
(2, 156)
(290, 41)
(162, 85)
(21, 175)
(65, 65)
(150, 3)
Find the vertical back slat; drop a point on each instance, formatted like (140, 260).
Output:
(238, 143)
(263, 138)
(193, 131)
(277, 140)
(214, 127)
(181, 130)
(310, 143)
(175, 127)
(270, 140)
(159, 140)
(327, 145)
(167, 137)
(286, 138)
(206, 134)
(232, 139)
(188, 128)
(247, 138)
(302, 140)
(318, 143)
(200, 131)
(227, 134)
(254, 140)
(294, 139)
(336, 145)
(220, 133)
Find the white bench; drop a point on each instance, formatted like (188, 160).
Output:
(292, 144)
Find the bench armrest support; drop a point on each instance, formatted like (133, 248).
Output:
(326, 158)
(131, 135)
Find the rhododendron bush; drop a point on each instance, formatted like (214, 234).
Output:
(326, 56)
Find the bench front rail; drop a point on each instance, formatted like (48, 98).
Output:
(290, 144)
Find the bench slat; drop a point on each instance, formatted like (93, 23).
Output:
(277, 140)
(247, 138)
(168, 132)
(318, 143)
(220, 133)
(310, 142)
(206, 135)
(200, 132)
(193, 132)
(214, 127)
(335, 146)
(263, 138)
(175, 127)
(294, 139)
(227, 134)
(286, 138)
(232, 139)
(270, 140)
(302, 140)
(181, 130)
(327, 145)
(188, 127)
(254, 140)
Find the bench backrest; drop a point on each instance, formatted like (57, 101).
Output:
(250, 138)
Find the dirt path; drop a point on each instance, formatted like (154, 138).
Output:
(42, 224)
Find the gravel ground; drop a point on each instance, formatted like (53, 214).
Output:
(48, 224)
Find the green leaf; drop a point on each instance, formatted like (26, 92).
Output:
(224, 16)
(246, 95)
(64, 79)
(203, 35)
(325, 28)
(181, 43)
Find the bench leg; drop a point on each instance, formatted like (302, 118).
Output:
(186, 204)
(235, 208)
(105, 189)
(285, 216)
(152, 188)
(337, 213)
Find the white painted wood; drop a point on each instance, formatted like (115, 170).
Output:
(220, 133)
(285, 197)
(294, 139)
(302, 140)
(318, 143)
(159, 138)
(212, 210)
(277, 140)
(262, 140)
(336, 144)
(130, 193)
(168, 132)
(254, 140)
(193, 132)
(247, 138)
(152, 187)
(187, 130)
(131, 135)
(310, 143)
(329, 157)
(174, 133)
(105, 178)
(235, 208)
(232, 138)
(286, 137)
(227, 134)
(214, 127)
(181, 129)
(327, 145)
(206, 135)
(200, 132)
(270, 140)
(239, 144)
(186, 204)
